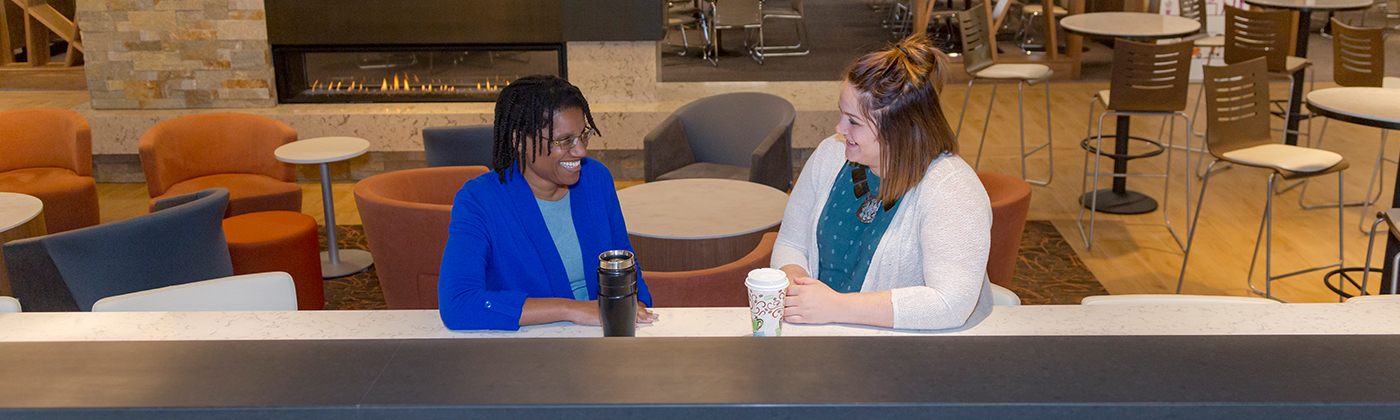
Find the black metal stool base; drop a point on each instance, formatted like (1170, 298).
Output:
(1127, 202)
(1343, 278)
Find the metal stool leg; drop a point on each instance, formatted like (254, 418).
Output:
(1195, 223)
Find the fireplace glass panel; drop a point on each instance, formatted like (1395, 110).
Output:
(407, 74)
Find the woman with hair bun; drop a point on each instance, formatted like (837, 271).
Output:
(887, 226)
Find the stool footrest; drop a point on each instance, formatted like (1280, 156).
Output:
(1088, 144)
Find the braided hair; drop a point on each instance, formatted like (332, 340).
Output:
(524, 109)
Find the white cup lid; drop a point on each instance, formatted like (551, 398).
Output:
(767, 278)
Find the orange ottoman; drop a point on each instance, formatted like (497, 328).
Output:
(279, 241)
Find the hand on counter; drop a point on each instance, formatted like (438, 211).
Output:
(809, 301)
(582, 312)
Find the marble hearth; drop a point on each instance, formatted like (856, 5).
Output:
(394, 130)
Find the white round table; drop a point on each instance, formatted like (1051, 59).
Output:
(1133, 26)
(21, 216)
(693, 224)
(1130, 25)
(335, 262)
(1369, 106)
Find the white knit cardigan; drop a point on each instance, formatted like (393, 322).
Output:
(933, 256)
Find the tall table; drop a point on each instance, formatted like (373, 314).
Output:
(1135, 27)
(693, 224)
(21, 216)
(335, 262)
(1300, 48)
(1369, 106)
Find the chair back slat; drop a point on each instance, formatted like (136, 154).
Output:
(1358, 55)
(1251, 34)
(1150, 77)
(1237, 106)
(1195, 10)
(976, 42)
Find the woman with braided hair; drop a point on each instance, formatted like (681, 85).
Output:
(887, 226)
(524, 239)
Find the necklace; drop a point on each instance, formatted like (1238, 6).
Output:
(871, 202)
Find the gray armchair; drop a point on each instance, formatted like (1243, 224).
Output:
(462, 145)
(745, 136)
(182, 242)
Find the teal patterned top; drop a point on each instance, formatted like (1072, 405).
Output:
(845, 245)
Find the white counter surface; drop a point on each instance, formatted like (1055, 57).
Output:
(1320, 319)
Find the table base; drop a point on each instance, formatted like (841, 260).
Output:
(351, 261)
(1126, 202)
(666, 254)
(33, 228)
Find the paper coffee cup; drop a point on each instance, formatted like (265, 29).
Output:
(767, 295)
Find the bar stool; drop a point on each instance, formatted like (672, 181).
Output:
(793, 13)
(1196, 9)
(1028, 14)
(1147, 80)
(978, 62)
(1237, 131)
(1358, 61)
(736, 14)
(1251, 34)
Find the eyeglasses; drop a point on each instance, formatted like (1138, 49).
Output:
(569, 143)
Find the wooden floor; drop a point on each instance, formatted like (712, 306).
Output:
(1131, 254)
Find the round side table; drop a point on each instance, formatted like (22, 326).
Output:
(1373, 107)
(694, 224)
(335, 262)
(21, 216)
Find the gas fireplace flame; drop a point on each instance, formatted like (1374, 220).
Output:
(406, 83)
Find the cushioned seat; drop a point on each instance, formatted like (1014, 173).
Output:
(1036, 8)
(279, 241)
(1285, 157)
(70, 200)
(707, 170)
(200, 148)
(181, 242)
(1215, 41)
(406, 214)
(47, 153)
(1293, 64)
(751, 131)
(248, 193)
(271, 291)
(1031, 73)
(1011, 202)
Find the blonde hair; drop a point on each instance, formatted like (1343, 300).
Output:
(897, 88)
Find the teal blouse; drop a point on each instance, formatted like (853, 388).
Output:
(845, 245)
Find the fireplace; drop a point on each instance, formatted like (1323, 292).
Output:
(436, 50)
(408, 73)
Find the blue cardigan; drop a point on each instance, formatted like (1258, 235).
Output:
(499, 251)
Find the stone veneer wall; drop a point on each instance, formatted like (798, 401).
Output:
(176, 54)
(615, 72)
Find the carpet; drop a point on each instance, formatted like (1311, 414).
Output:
(1047, 272)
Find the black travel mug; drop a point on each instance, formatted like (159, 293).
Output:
(617, 293)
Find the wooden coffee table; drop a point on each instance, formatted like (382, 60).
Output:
(693, 224)
(21, 216)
